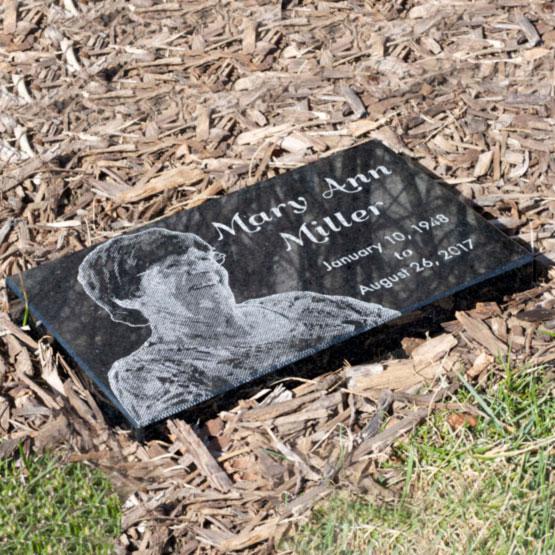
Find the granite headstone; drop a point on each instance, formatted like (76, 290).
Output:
(180, 311)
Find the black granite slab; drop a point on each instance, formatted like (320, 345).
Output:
(185, 309)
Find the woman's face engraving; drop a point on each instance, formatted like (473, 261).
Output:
(187, 282)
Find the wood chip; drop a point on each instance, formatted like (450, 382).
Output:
(7, 326)
(249, 37)
(384, 439)
(482, 362)
(10, 16)
(170, 179)
(204, 460)
(277, 409)
(425, 364)
(295, 458)
(528, 29)
(483, 164)
(480, 332)
(52, 434)
(354, 101)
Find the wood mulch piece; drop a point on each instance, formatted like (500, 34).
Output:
(116, 113)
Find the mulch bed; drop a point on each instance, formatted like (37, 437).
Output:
(115, 113)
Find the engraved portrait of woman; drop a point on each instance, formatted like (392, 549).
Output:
(202, 342)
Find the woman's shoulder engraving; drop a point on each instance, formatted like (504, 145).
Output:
(153, 379)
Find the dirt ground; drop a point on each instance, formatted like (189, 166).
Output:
(115, 113)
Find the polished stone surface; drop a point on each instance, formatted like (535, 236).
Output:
(197, 304)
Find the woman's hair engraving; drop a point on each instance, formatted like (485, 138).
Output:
(202, 341)
(113, 270)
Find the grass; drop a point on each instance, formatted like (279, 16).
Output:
(49, 507)
(489, 489)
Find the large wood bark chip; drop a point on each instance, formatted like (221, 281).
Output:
(481, 333)
(204, 460)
